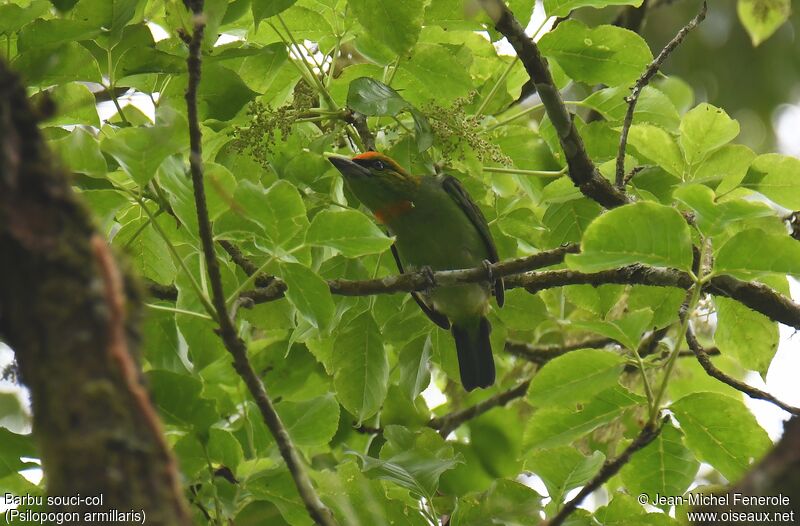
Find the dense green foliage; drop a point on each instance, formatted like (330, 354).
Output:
(438, 97)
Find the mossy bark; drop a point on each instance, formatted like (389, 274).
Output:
(65, 312)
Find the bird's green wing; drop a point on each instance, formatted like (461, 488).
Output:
(459, 194)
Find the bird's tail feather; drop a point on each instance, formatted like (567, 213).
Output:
(474, 354)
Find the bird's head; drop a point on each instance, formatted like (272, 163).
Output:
(378, 182)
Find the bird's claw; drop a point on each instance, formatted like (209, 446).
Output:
(489, 272)
(430, 278)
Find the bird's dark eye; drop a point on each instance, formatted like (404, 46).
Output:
(379, 165)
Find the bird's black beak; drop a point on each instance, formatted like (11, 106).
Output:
(348, 167)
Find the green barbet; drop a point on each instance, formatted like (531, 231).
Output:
(437, 226)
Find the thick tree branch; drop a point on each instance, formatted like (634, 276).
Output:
(648, 74)
(446, 424)
(753, 295)
(71, 314)
(582, 170)
(713, 371)
(227, 330)
(610, 468)
(541, 354)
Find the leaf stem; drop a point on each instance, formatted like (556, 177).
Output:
(520, 171)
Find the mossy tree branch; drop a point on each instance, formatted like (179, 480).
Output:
(71, 316)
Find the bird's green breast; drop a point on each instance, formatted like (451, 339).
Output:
(437, 233)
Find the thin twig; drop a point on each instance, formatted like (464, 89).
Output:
(648, 433)
(446, 424)
(582, 170)
(648, 74)
(227, 330)
(711, 369)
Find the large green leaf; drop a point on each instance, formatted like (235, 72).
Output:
(279, 212)
(575, 377)
(600, 55)
(704, 129)
(761, 18)
(564, 7)
(266, 8)
(13, 17)
(652, 107)
(397, 25)
(748, 336)
(753, 253)
(563, 469)
(721, 431)
(348, 231)
(556, 426)
(664, 467)
(624, 510)
(312, 422)
(80, 152)
(506, 502)
(566, 222)
(179, 401)
(168, 136)
(627, 330)
(728, 165)
(775, 176)
(147, 249)
(711, 217)
(642, 232)
(372, 97)
(75, 104)
(309, 293)
(658, 146)
(12, 448)
(361, 370)
(67, 62)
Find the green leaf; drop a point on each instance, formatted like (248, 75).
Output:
(664, 467)
(67, 62)
(575, 377)
(728, 165)
(506, 502)
(224, 448)
(309, 293)
(566, 222)
(556, 426)
(563, 469)
(704, 129)
(279, 211)
(111, 15)
(627, 330)
(748, 336)
(658, 146)
(361, 369)
(222, 93)
(753, 253)
(564, 7)
(12, 448)
(711, 217)
(642, 232)
(147, 250)
(372, 97)
(312, 422)
(397, 25)
(80, 152)
(13, 17)
(721, 431)
(775, 176)
(600, 55)
(74, 103)
(178, 399)
(348, 231)
(434, 73)
(168, 136)
(44, 33)
(413, 361)
(398, 470)
(266, 8)
(624, 510)
(653, 106)
(522, 311)
(761, 18)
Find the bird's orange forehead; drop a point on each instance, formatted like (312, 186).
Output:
(370, 155)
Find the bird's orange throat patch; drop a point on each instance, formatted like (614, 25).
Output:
(392, 211)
